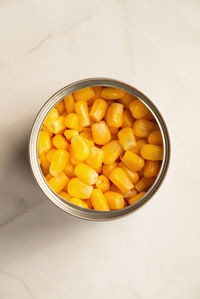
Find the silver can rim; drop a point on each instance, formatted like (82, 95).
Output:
(66, 206)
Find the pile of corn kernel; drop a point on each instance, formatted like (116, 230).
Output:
(100, 148)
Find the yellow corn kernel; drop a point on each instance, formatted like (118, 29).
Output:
(97, 90)
(142, 128)
(127, 119)
(59, 162)
(112, 151)
(69, 134)
(50, 154)
(103, 183)
(144, 184)
(88, 139)
(78, 202)
(107, 169)
(115, 200)
(111, 93)
(141, 172)
(149, 116)
(69, 170)
(120, 179)
(81, 109)
(138, 109)
(114, 116)
(115, 189)
(98, 109)
(69, 103)
(100, 133)
(48, 177)
(99, 169)
(133, 161)
(84, 94)
(85, 173)
(136, 198)
(60, 142)
(52, 116)
(155, 137)
(127, 99)
(98, 200)
(44, 163)
(79, 148)
(89, 203)
(44, 142)
(65, 195)
(58, 183)
(60, 107)
(113, 130)
(77, 188)
(73, 160)
(133, 175)
(57, 125)
(151, 168)
(152, 152)
(44, 128)
(72, 121)
(95, 157)
(64, 114)
(130, 194)
(127, 138)
(139, 144)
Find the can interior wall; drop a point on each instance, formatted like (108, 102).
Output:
(33, 152)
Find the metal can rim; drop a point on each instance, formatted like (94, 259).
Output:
(90, 214)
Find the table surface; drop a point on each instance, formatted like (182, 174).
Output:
(153, 253)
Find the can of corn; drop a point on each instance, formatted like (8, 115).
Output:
(92, 214)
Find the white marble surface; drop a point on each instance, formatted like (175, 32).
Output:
(153, 253)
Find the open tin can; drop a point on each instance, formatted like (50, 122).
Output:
(91, 214)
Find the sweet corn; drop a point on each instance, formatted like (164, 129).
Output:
(44, 162)
(149, 116)
(133, 175)
(52, 116)
(58, 183)
(115, 200)
(98, 109)
(107, 169)
(113, 130)
(69, 170)
(81, 109)
(77, 188)
(60, 107)
(88, 202)
(97, 90)
(48, 177)
(95, 157)
(139, 144)
(133, 161)
(100, 133)
(142, 128)
(127, 99)
(103, 183)
(69, 103)
(144, 184)
(138, 109)
(84, 94)
(98, 200)
(120, 179)
(78, 202)
(127, 119)
(57, 125)
(64, 195)
(69, 134)
(44, 128)
(152, 152)
(50, 154)
(115, 189)
(127, 138)
(99, 169)
(151, 169)
(130, 194)
(114, 116)
(112, 151)
(72, 121)
(85, 173)
(44, 142)
(88, 139)
(80, 148)
(60, 142)
(136, 198)
(111, 93)
(59, 162)
(155, 137)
